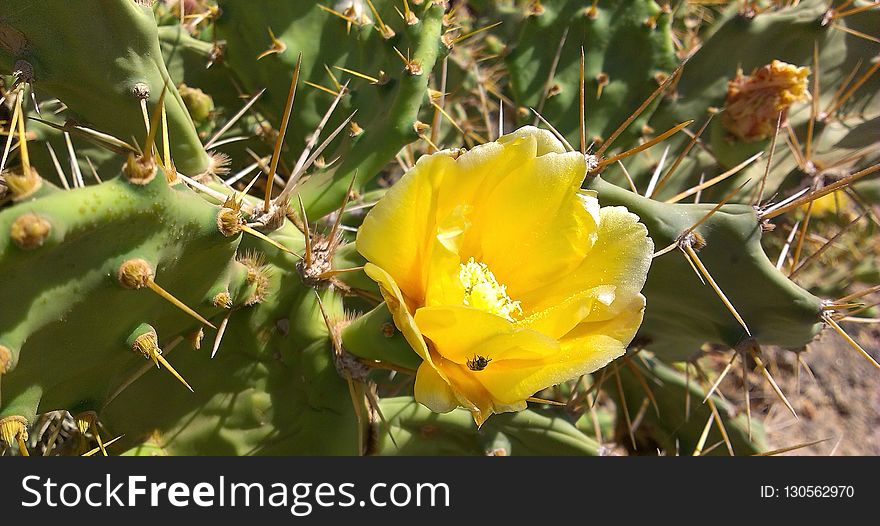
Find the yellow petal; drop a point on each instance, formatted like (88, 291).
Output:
(472, 395)
(456, 334)
(443, 285)
(622, 328)
(429, 203)
(536, 226)
(397, 234)
(608, 279)
(473, 176)
(469, 393)
(461, 333)
(556, 319)
(589, 347)
(399, 311)
(433, 391)
(489, 165)
(531, 213)
(545, 141)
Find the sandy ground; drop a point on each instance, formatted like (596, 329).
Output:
(839, 402)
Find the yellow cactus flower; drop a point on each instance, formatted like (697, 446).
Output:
(834, 204)
(503, 274)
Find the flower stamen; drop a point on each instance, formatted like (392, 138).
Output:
(482, 291)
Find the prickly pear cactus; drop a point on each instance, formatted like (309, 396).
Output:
(778, 313)
(103, 78)
(674, 414)
(383, 65)
(628, 51)
(100, 290)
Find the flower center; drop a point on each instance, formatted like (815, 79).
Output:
(482, 291)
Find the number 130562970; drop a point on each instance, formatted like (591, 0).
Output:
(808, 492)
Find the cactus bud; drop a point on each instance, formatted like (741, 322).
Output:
(24, 185)
(199, 103)
(30, 231)
(139, 170)
(135, 274)
(145, 341)
(755, 101)
(229, 221)
(222, 300)
(141, 91)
